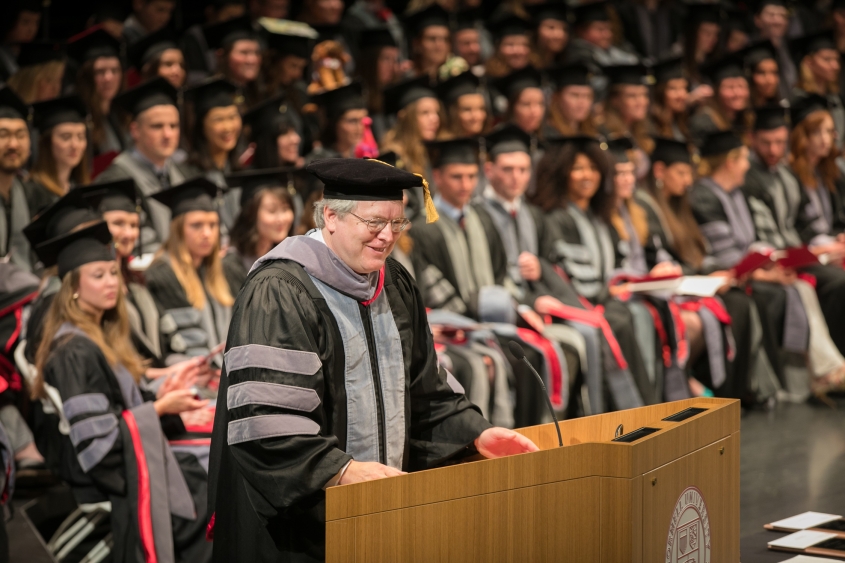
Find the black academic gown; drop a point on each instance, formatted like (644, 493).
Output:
(236, 268)
(267, 494)
(91, 391)
(171, 298)
(737, 303)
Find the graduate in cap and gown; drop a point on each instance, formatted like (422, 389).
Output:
(62, 158)
(378, 66)
(269, 206)
(551, 32)
(730, 107)
(14, 153)
(788, 306)
(817, 60)
(341, 122)
(317, 313)
(96, 54)
(512, 37)
(155, 130)
(236, 44)
(41, 65)
(574, 190)
(186, 279)
(157, 54)
(465, 108)
(463, 271)
(427, 33)
(761, 64)
(571, 103)
(213, 134)
(110, 442)
(728, 346)
(525, 235)
(669, 111)
(626, 111)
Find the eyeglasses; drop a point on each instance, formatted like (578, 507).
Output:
(377, 225)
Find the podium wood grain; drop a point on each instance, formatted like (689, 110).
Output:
(591, 501)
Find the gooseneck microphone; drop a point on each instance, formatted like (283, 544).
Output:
(519, 354)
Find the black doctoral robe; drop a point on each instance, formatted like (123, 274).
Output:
(267, 492)
(94, 401)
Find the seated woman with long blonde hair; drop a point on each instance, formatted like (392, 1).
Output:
(186, 279)
(106, 435)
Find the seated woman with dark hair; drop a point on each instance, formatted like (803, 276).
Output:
(669, 116)
(186, 279)
(157, 54)
(571, 103)
(266, 218)
(117, 448)
(464, 107)
(62, 156)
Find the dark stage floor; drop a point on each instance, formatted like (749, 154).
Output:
(793, 460)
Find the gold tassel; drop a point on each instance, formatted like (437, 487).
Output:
(431, 214)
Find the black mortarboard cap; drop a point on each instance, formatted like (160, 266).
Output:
(802, 107)
(668, 69)
(400, 95)
(729, 66)
(145, 49)
(155, 92)
(589, 12)
(619, 147)
(67, 109)
(59, 218)
(266, 117)
(720, 142)
(39, 53)
(509, 24)
(362, 179)
(72, 250)
(417, 21)
(770, 117)
(757, 52)
(340, 100)
(107, 11)
(376, 37)
(466, 19)
(456, 86)
(91, 44)
(11, 105)
(704, 12)
(221, 35)
(505, 139)
(196, 194)
(290, 44)
(251, 181)
(737, 20)
(548, 11)
(635, 74)
(453, 151)
(669, 151)
(120, 195)
(514, 83)
(578, 140)
(763, 3)
(573, 74)
(214, 93)
(805, 45)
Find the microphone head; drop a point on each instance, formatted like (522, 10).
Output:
(516, 350)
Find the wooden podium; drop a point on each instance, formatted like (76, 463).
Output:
(671, 495)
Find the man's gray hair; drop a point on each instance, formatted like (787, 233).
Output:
(339, 206)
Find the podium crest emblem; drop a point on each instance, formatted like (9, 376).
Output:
(689, 530)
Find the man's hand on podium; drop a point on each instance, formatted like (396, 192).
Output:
(360, 471)
(500, 442)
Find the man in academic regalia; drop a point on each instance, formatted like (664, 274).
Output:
(14, 152)
(155, 132)
(331, 376)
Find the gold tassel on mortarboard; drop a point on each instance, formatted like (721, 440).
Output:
(431, 214)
